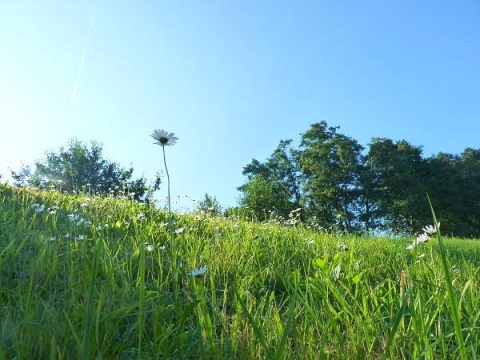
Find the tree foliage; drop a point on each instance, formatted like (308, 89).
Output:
(209, 205)
(330, 163)
(82, 166)
(274, 185)
(344, 187)
(398, 171)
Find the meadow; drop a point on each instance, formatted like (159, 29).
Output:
(107, 278)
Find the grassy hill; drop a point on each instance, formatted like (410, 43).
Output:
(106, 278)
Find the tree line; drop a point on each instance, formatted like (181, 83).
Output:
(81, 167)
(342, 186)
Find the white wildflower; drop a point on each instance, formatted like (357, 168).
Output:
(37, 207)
(72, 217)
(430, 229)
(164, 137)
(179, 230)
(198, 272)
(84, 222)
(336, 272)
(422, 238)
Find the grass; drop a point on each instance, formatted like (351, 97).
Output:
(89, 287)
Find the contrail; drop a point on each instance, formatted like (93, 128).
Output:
(73, 97)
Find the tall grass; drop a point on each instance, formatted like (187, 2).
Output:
(114, 288)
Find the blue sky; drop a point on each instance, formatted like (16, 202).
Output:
(233, 78)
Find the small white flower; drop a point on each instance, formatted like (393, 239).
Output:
(164, 137)
(52, 238)
(162, 247)
(81, 222)
(430, 229)
(81, 237)
(37, 207)
(410, 247)
(422, 238)
(309, 241)
(141, 216)
(342, 246)
(179, 230)
(198, 272)
(336, 272)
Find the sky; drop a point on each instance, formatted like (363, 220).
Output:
(231, 79)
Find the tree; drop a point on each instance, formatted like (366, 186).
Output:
(468, 203)
(399, 175)
(369, 212)
(79, 166)
(331, 165)
(209, 205)
(342, 188)
(273, 185)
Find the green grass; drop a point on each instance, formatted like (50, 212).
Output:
(269, 291)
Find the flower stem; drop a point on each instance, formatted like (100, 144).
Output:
(170, 218)
(168, 181)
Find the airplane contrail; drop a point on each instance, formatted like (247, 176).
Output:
(73, 97)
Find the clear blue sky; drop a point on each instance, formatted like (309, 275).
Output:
(232, 78)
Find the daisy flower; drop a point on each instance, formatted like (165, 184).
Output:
(198, 272)
(164, 137)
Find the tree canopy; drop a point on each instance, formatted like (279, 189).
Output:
(82, 166)
(343, 186)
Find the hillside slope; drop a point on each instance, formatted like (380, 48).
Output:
(106, 278)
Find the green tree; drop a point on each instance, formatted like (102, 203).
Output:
(262, 197)
(81, 166)
(209, 205)
(467, 205)
(369, 210)
(273, 185)
(399, 176)
(331, 164)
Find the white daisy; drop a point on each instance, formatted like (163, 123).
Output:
(422, 238)
(430, 229)
(179, 230)
(198, 272)
(164, 137)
